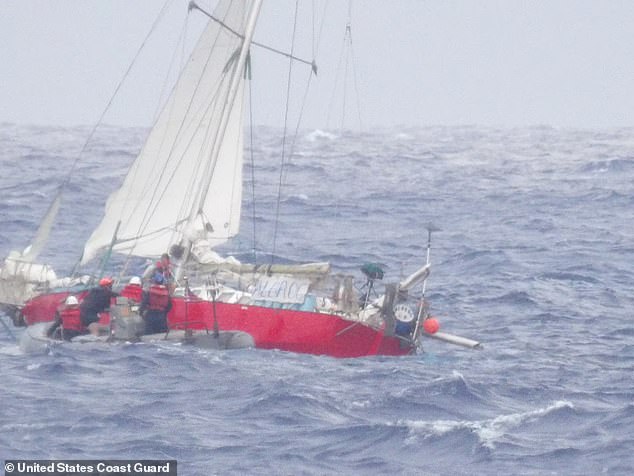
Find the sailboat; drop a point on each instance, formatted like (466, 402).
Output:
(183, 195)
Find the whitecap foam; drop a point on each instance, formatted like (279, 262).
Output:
(487, 431)
(300, 197)
(12, 427)
(13, 349)
(318, 134)
(360, 403)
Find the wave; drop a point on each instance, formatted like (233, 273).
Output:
(568, 276)
(621, 164)
(297, 199)
(490, 431)
(516, 298)
(535, 256)
(319, 134)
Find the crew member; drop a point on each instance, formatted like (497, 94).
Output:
(163, 267)
(97, 300)
(67, 320)
(155, 305)
(70, 316)
(133, 290)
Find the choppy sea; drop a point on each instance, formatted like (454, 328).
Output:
(534, 258)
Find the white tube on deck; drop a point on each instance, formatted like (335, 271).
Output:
(452, 339)
(416, 277)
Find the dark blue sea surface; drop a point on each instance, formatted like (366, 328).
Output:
(534, 258)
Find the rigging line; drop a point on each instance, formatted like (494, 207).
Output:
(107, 108)
(308, 83)
(172, 148)
(356, 85)
(288, 94)
(195, 165)
(154, 204)
(150, 212)
(182, 58)
(174, 144)
(238, 164)
(148, 215)
(305, 98)
(152, 233)
(206, 106)
(210, 103)
(198, 164)
(301, 114)
(345, 86)
(334, 90)
(312, 43)
(116, 91)
(236, 85)
(290, 55)
(180, 41)
(354, 66)
(252, 169)
(321, 28)
(348, 45)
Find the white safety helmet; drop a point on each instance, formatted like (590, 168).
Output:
(71, 301)
(135, 280)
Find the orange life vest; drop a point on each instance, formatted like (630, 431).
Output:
(159, 298)
(71, 319)
(133, 292)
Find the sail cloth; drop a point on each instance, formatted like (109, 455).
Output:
(19, 275)
(41, 236)
(164, 185)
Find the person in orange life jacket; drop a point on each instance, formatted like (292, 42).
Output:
(133, 289)
(163, 267)
(67, 320)
(71, 319)
(97, 300)
(155, 305)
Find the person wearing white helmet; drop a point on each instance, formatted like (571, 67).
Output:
(67, 319)
(133, 289)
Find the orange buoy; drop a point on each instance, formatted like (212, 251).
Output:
(431, 325)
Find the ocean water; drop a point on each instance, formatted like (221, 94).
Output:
(534, 258)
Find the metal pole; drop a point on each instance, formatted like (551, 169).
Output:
(213, 304)
(203, 189)
(108, 254)
(430, 228)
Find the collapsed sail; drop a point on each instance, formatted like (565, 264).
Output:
(152, 209)
(19, 275)
(41, 236)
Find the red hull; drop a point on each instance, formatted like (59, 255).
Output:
(42, 308)
(284, 329)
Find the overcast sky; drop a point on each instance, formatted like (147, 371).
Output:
(418, 62)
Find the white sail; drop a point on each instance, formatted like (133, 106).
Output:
(41, 236)
(19, 275)
(152, 207)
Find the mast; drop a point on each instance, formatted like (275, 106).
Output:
(203, 190)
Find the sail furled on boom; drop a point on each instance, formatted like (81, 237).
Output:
(155, 201)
